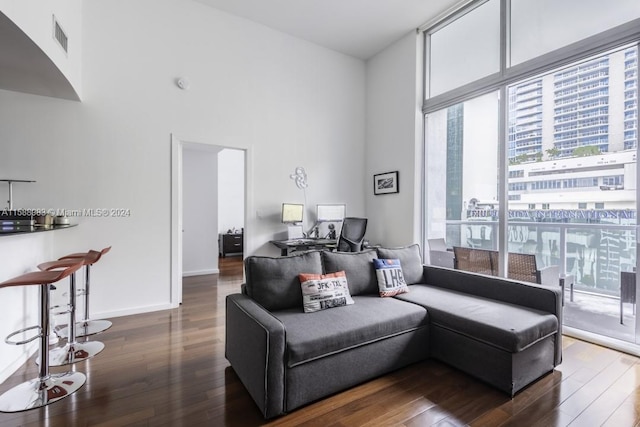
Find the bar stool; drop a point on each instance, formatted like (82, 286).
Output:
(46, 388)
(87, 326)
(73, 351)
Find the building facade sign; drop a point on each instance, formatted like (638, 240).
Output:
(556, 214)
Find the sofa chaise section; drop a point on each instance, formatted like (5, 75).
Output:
(504, 332)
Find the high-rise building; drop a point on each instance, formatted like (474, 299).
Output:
(525, 120)
(580, 110)
(630, 98)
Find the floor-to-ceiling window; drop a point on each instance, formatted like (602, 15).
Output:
(531, 136)
(466, 135)
(571, 140)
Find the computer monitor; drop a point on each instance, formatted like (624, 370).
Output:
(292, 213)
(331, 213)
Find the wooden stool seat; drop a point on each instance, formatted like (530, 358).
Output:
(89, 258)
(59, 265)
(46, 388)
(39, 277)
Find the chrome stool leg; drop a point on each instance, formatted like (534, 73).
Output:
(88, 326)
(47, 388)
(73, 351)
(54, 338)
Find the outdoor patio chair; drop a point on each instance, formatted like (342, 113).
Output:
(524, 267)
(439, 255)
(474, 260)
(521, 266)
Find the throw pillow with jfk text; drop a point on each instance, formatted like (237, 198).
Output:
(323, 291)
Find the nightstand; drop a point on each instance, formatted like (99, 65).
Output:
(230, 243)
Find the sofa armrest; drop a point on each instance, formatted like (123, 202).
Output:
(255, 346)
(526, 294)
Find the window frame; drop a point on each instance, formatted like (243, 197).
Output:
(624, 34)
(616, 37)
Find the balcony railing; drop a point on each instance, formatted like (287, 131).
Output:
(594, 254)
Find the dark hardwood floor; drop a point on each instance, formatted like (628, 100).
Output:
(168, 369)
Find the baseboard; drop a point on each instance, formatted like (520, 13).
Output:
(200, 272)
(131, 311)
(612, 343)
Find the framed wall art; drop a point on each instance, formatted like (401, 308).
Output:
(386, 183)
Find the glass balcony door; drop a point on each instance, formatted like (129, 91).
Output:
(572, 174)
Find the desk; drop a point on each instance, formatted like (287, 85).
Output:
(288, 246)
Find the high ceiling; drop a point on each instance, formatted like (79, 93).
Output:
(359, 28)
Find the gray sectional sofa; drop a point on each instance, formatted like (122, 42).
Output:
(503, 332)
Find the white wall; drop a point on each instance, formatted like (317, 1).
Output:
(200, 210)
(287, 101)
(394, 141)
(230, 190)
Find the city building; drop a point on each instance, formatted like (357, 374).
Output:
(603, 181)
(591, 104)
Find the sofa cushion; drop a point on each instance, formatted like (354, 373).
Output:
(390, 279)
(323, 291)
(273, 282)
(411, 261)
(371, 318)
(358, 266)
(507, 326)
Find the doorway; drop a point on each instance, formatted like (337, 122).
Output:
(196, 181)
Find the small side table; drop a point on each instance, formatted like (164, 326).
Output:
(627, 291)
(565, 280)
(230, 243)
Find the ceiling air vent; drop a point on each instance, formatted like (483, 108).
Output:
(59, 35)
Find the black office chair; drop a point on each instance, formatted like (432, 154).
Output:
(352, 234)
